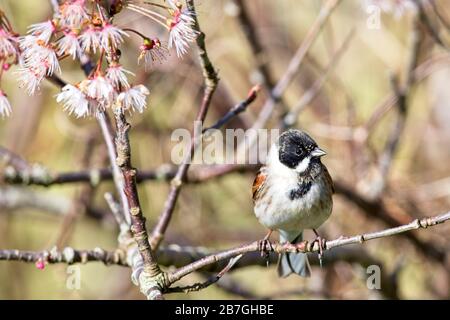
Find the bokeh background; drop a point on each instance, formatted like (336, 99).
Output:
(218, 213)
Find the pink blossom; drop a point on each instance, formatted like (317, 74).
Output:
(75, 101)
(40, 264)
(101, 90)
(69, 45)
(116, 74)
(133, 99)
(43, 31)
(36, 54)
(73, 13)
(152, 51)
(90, 39)
(30, 78)
(111, 36)
(181, 30)
(7, 45)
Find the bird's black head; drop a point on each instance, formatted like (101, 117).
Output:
(295, 146)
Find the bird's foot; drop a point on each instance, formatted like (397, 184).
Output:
(265, 247)
(322, 242)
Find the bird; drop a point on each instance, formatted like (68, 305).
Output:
(293, 192)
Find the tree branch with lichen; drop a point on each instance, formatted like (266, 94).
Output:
(171, 254)
(151, 279)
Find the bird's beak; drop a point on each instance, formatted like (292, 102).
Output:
(317, 153)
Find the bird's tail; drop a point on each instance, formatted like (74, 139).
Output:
(293, 262)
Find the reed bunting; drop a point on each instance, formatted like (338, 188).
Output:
(291, 193)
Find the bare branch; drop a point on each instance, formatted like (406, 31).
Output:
(237, 109)
(305, 246)
(295, 63)
(108, 135)
(152, 278)
(429, 25)
(210, 81)
(312, 92)
(402, 94)
(68, 256)
(257, 48)
(210, 281)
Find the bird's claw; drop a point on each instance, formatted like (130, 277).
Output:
(322, 243)
(264, 247)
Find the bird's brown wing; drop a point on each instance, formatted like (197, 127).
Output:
(329, 180)
(258, 183)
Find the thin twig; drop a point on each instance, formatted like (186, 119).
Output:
(8, 157)
(290, 118)
(439, 13)
(420, 73)
(55, 5)
(249, 29)
(237, 109)
(402, 95)
(377, 209)
(211, 80)
(208, 282)
(429, 25)
(291, 71)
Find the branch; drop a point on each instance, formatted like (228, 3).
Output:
(305, 246)
(290, 118)
(351, 255)
(19, 198)
(68, 256)
(164, 172)
(373, 208)
(295, 63)
(108, 134)
(208, 282)
(257, 48)
(7, 157)
(429, 25)
(292, 69)
(402, 94)
(210, 81)
(237, 109)
(151, 279)
(377, 209)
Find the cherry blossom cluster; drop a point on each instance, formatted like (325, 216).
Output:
(9, 54)
(84, 29)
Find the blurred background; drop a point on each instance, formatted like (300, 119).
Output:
(390, 166)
